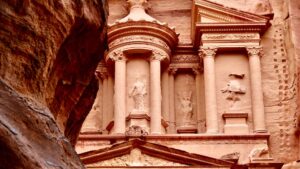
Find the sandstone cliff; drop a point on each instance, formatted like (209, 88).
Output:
(49, 51)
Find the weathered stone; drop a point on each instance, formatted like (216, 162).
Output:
(49, 51)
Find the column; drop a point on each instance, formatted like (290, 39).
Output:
(172, 127)
(208, 54)
(155, 96)
(119, 97)
(165, 95)
(103, 76)
(110, 98)
(256, 89)
(200, 118)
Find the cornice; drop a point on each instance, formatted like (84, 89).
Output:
(131, 28)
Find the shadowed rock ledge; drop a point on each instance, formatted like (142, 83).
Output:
(49, 51)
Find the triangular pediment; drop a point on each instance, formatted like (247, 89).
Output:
(213, 17)
(138, 152)
(210, 12)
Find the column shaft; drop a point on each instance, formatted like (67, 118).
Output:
(256, 90)
(155, 96)
(172, 127)
(210, 90)
(119, 97)
(104, 101)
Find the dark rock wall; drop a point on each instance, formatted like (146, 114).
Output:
(49, 51)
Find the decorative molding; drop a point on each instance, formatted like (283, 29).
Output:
(138, 38)
(136, 131)
(116, 55)
(232, 36)
(172, 70)
(208, 51)
(185, 59)
(135, 158)
(254, 50)
(158, 55)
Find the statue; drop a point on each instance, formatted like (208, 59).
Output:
(186, 107)
(234, 89)
(138, 93)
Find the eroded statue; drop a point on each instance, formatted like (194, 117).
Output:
(234, 89)
(138, 93)
(186, 107)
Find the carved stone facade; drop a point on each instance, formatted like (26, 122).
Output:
(196, 98)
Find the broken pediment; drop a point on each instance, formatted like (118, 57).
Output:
(135, 158)
(138, 152)
(210, 17)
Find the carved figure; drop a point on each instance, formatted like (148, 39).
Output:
(138, 93)
(136, 131)
(135, 158)
(257, 153)
(186, 107)
(234, 89)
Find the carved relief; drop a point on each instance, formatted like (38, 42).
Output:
(254, 50)
(186, 107)
(116, 55)
(134, 38)
(136, 131)
(136, 158)
(138, 93)
(234, 89)
(185, 59)
(259, 153)
(158, 55)
(248, 36)
(208, 51)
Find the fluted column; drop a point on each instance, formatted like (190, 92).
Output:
(208, 54)
(172, 127)
(155, 95)
(120, 96)
(256, 89)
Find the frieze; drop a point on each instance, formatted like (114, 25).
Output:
(185, 59)
(134, 38)
(211, 142)
(240, 36)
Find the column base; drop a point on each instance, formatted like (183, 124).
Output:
(187, 129)
(212, 131)
(236, 123)
(261, 131)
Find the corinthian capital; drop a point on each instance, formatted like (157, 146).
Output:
(254, 50)
(116, 55)
(158, 55)
(208, 51)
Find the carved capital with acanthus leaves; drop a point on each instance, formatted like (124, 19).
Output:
(117, 55)
(207, 51)
(172, 71)
(254, 50)
(158, 55)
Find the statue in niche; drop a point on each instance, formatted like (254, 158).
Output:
(186, 107)
(234, 89)
(138, 93)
